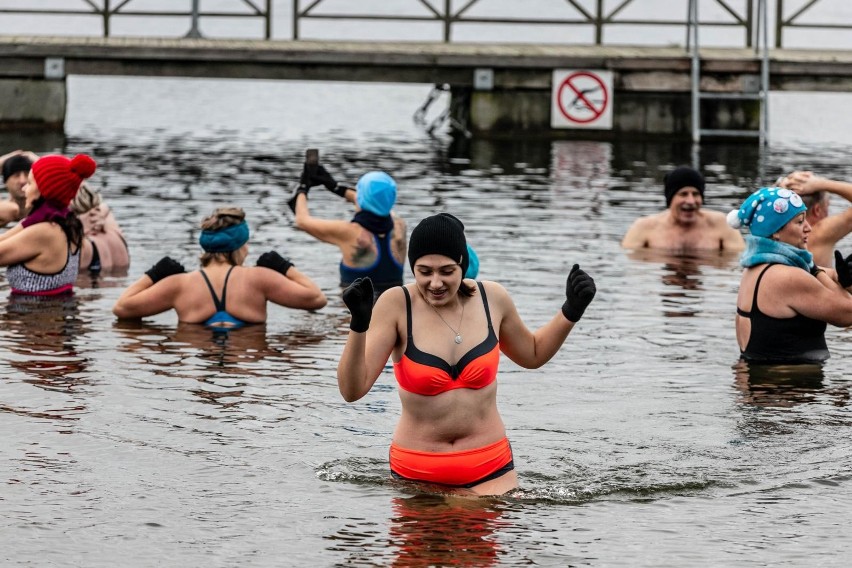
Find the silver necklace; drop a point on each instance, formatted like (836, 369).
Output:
(458, 338)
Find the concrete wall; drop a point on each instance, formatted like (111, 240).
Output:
(32, 103)
(513, 113)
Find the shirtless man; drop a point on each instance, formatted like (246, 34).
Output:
(15, 167)
(684, 225)
(826, 229)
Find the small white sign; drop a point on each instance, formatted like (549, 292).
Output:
(581, 99)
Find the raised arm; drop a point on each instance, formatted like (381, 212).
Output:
(830, 229)
(9, 212)
(17, 247)
(806, 183)
(823, 298)
(335, 232)
(288, 287)
(153, 293)
(533, 349)
(372, 337)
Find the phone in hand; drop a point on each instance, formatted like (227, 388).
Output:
(311, 160)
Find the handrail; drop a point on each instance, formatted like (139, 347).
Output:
(791, 21)
(599, 18)
(112, 8)
(443, 13)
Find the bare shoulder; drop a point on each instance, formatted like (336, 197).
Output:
(261, 275)
(716, 218)
(642, 228)
(495, 292)
(648, 222)
(389, 310)
(398, 222)
(787, 279)
(392, 301)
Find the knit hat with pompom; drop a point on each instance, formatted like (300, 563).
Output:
(59, 178)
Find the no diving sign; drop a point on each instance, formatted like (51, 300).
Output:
(581, 99)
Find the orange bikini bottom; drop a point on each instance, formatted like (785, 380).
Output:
(466, 468)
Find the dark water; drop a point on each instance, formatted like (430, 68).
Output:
(641, 443)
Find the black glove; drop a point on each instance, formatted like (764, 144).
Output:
(358, 297)
(291, 203)
(274, 261)
(164, 268)
(317, 175)
(579, 291)
(340, 189)
(844, 269)
(314, 175)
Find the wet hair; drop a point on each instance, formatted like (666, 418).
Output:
(813, 198)
(221, 218)
(85, 200)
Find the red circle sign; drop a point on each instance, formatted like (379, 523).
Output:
(588, 97)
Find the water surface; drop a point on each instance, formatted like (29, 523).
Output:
(640, 443)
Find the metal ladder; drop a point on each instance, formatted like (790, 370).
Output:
(761, 49)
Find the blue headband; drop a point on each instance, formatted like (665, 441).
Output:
(224, 240)
(766, 211)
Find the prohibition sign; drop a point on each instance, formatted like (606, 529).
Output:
(582, 99)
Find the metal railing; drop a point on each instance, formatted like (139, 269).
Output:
(107, 10)
(794, 21)
(598, 18)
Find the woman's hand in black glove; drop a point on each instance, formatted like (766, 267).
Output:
(844, 269)
(317, 175)
(274, 261)
(579, 291)
(164, 268)
(358, 297)
(291, 203)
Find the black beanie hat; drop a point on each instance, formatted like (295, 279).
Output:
(681, 177)
(439, 234)
(16, 164)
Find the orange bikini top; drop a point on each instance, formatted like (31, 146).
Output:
(427, 374)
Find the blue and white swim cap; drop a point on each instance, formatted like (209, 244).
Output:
(767, 210)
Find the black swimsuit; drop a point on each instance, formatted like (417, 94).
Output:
(798, 339)
(221, 319)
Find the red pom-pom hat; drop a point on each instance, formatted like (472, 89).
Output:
(59, 178)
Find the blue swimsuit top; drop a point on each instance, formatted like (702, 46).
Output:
(221, 319)
(385, 273)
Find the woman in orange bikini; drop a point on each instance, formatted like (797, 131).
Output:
(445, 334)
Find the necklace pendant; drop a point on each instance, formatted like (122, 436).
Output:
(458, 338)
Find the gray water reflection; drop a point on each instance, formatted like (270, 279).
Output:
(639, 444)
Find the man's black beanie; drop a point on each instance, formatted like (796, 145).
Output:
(681, 177)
